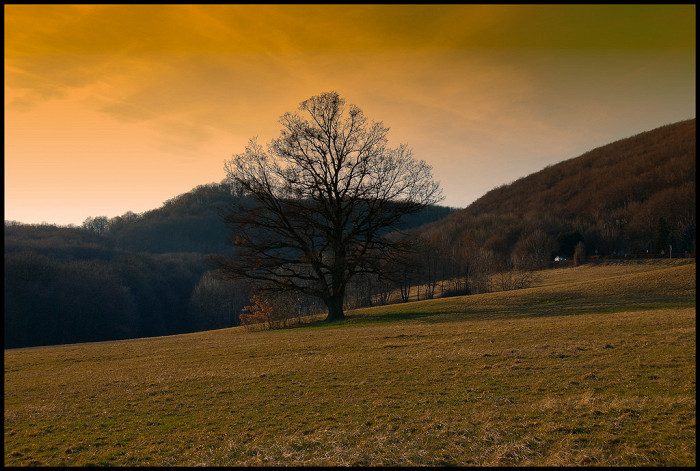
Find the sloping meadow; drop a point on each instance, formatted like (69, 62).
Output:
(595, 366)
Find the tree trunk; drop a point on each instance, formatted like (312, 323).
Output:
(335, 309)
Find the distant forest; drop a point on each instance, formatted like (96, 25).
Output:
(140, 275)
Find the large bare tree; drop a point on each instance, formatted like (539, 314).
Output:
(327, 193)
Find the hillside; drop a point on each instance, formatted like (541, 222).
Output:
(633, 196)
(594, 366)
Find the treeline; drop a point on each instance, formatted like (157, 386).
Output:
(190, 222)
(437, 266)
(135, 275)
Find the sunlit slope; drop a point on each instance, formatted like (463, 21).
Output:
(564, 291)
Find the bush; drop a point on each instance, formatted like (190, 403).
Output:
(258, 312)
(275, 310)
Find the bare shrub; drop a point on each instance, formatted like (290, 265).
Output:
(258, 312)
(275, 310)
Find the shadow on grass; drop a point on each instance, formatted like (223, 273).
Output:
(509, 312)
(358, 320)
(512, 305)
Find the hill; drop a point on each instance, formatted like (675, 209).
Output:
(594, 365)
(635, 196)
(192, 222)
(135, 275)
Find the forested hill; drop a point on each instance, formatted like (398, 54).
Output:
(134, 275)
(633, 196)
(192, 222)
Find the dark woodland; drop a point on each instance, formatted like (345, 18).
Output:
(634, 197)
(150, 274)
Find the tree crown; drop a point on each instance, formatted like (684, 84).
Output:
(328, 190)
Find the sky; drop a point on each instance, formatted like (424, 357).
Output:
(116, 108)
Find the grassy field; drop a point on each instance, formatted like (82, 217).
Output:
(593, 366)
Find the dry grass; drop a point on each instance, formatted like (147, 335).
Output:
(496, 379)
(597, 270)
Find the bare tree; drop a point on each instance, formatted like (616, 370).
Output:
(97, 224)
(327, 193)
(533, 251)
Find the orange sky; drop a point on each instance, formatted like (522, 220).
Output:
(111, 109)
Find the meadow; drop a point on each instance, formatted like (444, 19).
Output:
(592, 366)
